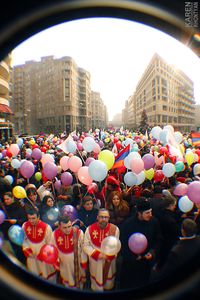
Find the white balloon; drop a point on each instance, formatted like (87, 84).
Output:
(185, 204)
(130, 178)
(178, 136)
(140, 178)
(110, 245)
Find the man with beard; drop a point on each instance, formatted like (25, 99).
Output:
(102, 267)
(136, 269)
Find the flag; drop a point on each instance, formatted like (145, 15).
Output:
(195, 138)
(119, 159)
(63, 146)
(114, 149)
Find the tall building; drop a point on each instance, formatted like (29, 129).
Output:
(167, 95)
(6, 126)
(99, 111)
(52, 95)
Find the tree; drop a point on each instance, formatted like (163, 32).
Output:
(144, 122)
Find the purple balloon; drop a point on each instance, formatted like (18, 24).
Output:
(101, 144)
(137, 243)
(27, 169)
(66, 178)
(4, 152)
(70, 211)
(75, 137)
(2, 216)
(149, 161)
(50, 170)
(88, 161)
(57, 185)
(37, 154)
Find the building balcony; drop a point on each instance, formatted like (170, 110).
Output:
(4, 70)
(4, 87)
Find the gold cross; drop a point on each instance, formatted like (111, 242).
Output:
(29, 230)
(40, 232)
(95, 234)
(60, 240)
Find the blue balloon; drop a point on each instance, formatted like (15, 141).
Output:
(71, 146)
(16, 234)
(97, 170)
(163, 136)
(130, 178)
(20, 142)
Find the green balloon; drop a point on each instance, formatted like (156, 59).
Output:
(179, 166)
(38, 176)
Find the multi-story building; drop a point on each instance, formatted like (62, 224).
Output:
(99, 111)
(197, 117)
(52, 95)
(167, 95)
(6, 125)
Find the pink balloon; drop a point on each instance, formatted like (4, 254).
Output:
(137, 243)
(74, 163)
(79, 146)
(193, 191)
(66, 178)
(46, 158)
(2, 216)
(50, 170)
(37, 154)
(83, 176)
(14, 149)
(27, 169)
(57, 185)
(64, 162)
(181, 189)
(97, 149)
(88, 161)
(149, 161)
(137, 165)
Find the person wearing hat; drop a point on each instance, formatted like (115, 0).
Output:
(111, 184)
(136, 269)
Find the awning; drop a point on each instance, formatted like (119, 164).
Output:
(6, 109)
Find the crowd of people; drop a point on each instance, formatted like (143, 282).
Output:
(63, 196)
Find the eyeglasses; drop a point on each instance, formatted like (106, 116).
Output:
(103, 217)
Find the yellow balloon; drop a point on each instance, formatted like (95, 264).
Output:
(149, 174)
(189, 157)
(32, 142)
(107, 157)
(19, 192)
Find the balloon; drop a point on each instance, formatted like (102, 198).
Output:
(159, 176)
(27, 169)
(20, 142)
(74, 163)
(98, 170)
(107, 157)
(149, 161)
(64, 162)
(137, 243)
(130, 178)
(168, 169)
(185, 204)
(50, 170)
(97, 148)
(37, 154)
(196, 157)
(16, 234)
(189, 157)
(137, 165)
(71, 146)
(88, 144)
(149, 174)
(46, 158)
(57, 185)
(66, 178)
(79, 146)
(181, 189)
(163, 136)
(140, 178)
(88, 161)
(128, 141)
(9, 178)
(2, 216)
(14, 149)
(52, 214)
(110, 245)
(48, 254)
(19, 192)
(179, 166)
(156, 132)
(83, 176)
(196, 169)
(70, 211)
(193, 191)
(38, 176)
(92, 188)
(178, 136)
(8, 153)
(15, 163)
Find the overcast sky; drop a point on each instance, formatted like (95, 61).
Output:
(115, 52)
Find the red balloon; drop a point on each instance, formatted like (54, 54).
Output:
(8, 153)
(35, 146)
(48, 254)
(158, 176)
(43, 149)
(119, 145)
(163, 150)
(92, 188)
(115, 140)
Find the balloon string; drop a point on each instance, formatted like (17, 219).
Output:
(79, 189)
(35, 207)
(81, 156)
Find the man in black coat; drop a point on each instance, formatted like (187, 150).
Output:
(136, 269)
(183, 254)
